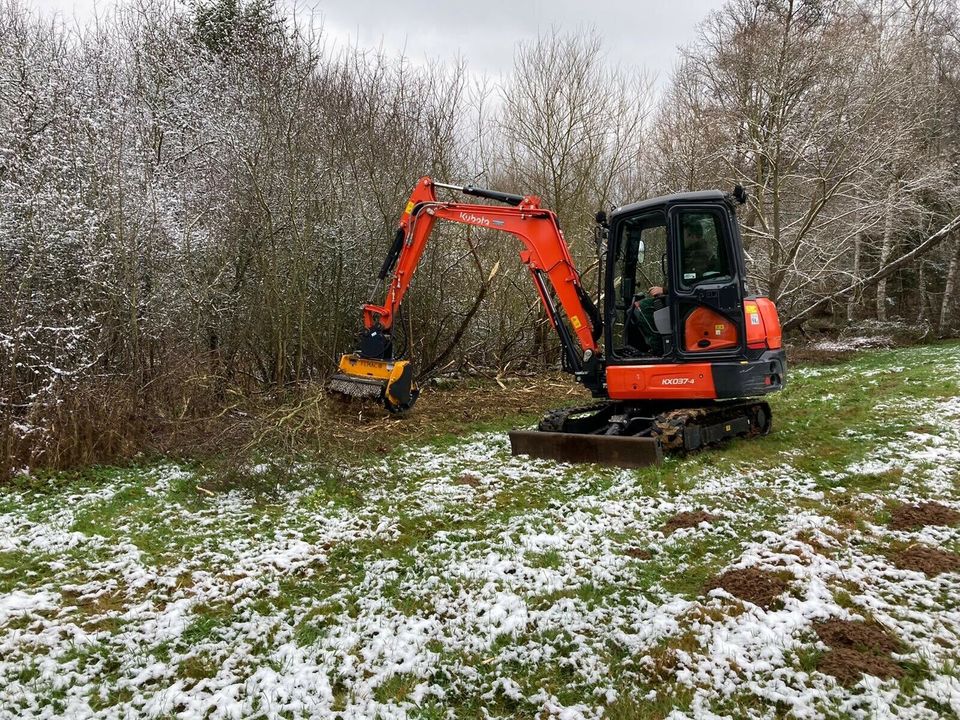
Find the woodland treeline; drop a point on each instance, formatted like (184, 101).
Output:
(195, 201)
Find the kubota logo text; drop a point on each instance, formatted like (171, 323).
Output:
(475, 219)
(678, 381)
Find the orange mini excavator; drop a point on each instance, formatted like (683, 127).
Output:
(687, 349)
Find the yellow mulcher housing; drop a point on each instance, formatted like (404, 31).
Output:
(389, 381)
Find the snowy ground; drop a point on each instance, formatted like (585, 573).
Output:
(455, 580)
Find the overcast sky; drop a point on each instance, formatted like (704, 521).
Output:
(642, 33)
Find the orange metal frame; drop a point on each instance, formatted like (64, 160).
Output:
(667, 381)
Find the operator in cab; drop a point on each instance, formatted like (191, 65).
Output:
(698, 261)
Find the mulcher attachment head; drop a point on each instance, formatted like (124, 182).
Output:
(388, 381)
(356, 387)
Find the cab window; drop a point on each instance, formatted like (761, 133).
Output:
(638, 266)
(703, 252)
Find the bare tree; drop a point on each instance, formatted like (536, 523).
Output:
(572, 127)
(823, 111)
(196, 200)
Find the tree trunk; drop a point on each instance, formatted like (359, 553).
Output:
(886, 251)
(855, 295)
(922, 295)
(946, 315)
(927, 245)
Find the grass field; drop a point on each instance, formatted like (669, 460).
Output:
(449, 579)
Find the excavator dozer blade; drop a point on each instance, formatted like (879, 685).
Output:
(617, 450)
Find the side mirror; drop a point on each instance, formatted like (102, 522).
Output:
(640, 251)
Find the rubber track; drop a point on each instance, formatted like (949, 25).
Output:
(553, 421)
(670, 425)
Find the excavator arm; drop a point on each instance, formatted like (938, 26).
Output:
(545, 254)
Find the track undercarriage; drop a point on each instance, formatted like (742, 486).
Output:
(635, 435)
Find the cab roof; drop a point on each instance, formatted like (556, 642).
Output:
(663, 201)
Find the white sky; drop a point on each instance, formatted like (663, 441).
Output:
(642, 33)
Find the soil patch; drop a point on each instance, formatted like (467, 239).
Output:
(639, 553)
(847, 666)
(856, 636)
(687, 519)
(467, 479)
(751, 584)
(927, 560)
(809, 355)
(910, 517)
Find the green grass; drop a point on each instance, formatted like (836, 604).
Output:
(816, 439)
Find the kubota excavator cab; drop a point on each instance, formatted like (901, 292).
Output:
(689, 245)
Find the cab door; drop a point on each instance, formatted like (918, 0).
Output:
(706, 297)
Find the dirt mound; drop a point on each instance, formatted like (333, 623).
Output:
(812, 355)
(468, 479)
(910, 517)
(687, 519)
(856, 649)
(856, 636)
(847, 665)
(927, 560)
(757, 586)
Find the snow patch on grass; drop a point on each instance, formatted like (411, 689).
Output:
(461, 577)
